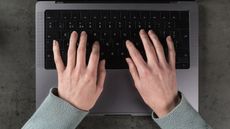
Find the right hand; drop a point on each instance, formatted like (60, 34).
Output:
(155, 79)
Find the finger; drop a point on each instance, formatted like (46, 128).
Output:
(101, 77)
(135, 55)
(94, 58)
(132, 69)
(171, 52)
(81, 51)
(57, 57)
(158, 47)
(71, 60)
(149, 49)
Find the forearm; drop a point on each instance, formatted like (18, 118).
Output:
(55, 113)
(183, 116)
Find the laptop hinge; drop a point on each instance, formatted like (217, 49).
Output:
(114, 1)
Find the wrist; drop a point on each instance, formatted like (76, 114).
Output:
(168, 107)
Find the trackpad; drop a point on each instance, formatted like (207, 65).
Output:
(120, 96)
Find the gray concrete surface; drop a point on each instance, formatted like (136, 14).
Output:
(17, 71)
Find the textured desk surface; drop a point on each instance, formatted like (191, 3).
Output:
(17, 68)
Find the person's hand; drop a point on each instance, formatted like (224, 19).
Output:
(78, 83)
(155, 79)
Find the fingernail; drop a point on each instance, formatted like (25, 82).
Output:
(54, 42)
(74, 32)
(97, 42)
(170, 38)
(127, 42)
(83, 32)
(96, 46)
(150, 31)
(127, 60)
(142, 31)
(103, 61)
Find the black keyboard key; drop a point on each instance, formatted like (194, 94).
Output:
(183, 21)
(60, 25)
(115, 15)
(69, 25)
(144, 15)
(52, 14)
(155, 15)
(134, 15)
(182, 56)
(130, 25)
(125, 15)
(105, 35)
(141, 25)
(164, 15)
(110, 25)
(49, 45)
(85, 15)
(49, 55)
(53, 35)
(99, 25)
(78, 25)
(95, 15)
(76, 15)
(66, 15)
(184, 44)
(115, 35)
(89, 25)
(105, 15)
(50, 25)
(174, 15)
(120, 24)
(65, 34)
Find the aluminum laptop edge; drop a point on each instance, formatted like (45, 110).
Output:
(119, 96)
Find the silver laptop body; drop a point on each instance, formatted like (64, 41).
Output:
(119, 96)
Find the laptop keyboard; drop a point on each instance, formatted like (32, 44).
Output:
(112, 28)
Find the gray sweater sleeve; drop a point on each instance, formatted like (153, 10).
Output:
(183, 116)
(55, 113)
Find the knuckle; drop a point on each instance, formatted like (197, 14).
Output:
(103, 71)
(89, 74)
(87, 78)
(145, 71)
(56, 60)
(100, 88)
(169, 70)
(131, 67)
(159, 46)
(81, 49)
(137, 84)
(136, 54)
(70, 52)
(172, 51)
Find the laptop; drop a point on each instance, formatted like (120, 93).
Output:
(111, 22)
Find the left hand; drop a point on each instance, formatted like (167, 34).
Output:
(78, 83)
